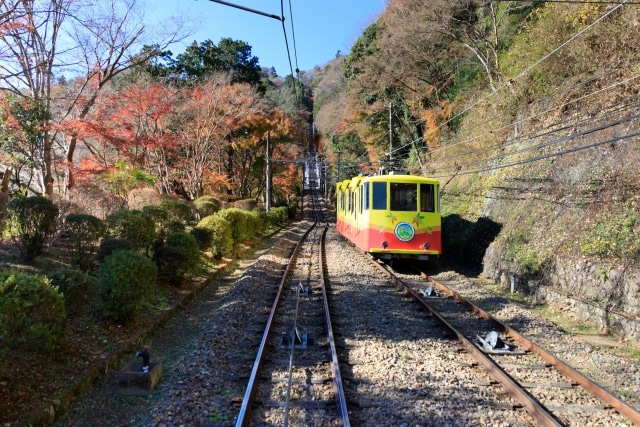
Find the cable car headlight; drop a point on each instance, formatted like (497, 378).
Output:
(385, 244)
(426, 245)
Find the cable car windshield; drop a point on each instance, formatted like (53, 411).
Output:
(404, 197)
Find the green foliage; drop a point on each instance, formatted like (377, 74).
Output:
(257, 222)
(135, 226)
(125, 178)
(109, 245)
(364, 47)
(238, 220)
(32, 220)
(78, 288)
(221, 236)
(21, 125)
(523, 252)
(83, 231)
(126, 282)
(207, 205)
(278, 216)
(206, 58)
(614, 236)
(203, 237)
(177, 210)
(180, 255)
(246, 204)
(292, 209)
(32, 311)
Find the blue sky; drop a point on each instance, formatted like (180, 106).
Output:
(321, 28)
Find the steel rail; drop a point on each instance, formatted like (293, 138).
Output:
(531, 405)
(621, 407)
(245, 409)
(342, 399)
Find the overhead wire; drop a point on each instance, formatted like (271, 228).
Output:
(549, 129)
(542, 102)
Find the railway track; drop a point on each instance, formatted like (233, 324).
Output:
(552, 392)
(295, 378)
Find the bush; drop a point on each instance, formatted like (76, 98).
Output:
(238, 220)
(203, 237)
(77, 288)
(135, 226)
(161, 217)
(206, 205)
(257, 222)
(109, 245)
(292, 209)
(126, 282)
(32, 312)
(246, 204)
(32, 220)
(277, 216)
(177, 210)
(83, 232)
(221, 237)
(180, 255)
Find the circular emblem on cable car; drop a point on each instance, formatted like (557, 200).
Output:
(404, 231)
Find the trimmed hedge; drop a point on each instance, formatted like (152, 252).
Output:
(32, 220)
(32, 311)
(83, 232)
(180, 255)
(134, 226)
(126, 282)
(77, 288)
(221, 235)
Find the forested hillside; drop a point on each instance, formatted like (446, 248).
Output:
(527, 112)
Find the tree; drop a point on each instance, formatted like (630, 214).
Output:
(29, 43)
(135, 124)
(102, 39)
(206, 120)
(229, 56)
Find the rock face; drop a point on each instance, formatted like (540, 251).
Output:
(604, 296)
(133, 381)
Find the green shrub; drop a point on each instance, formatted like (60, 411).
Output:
(32, 220)
(292, 209)
(180, 255)
(126, 282)
(78, 289)
(206, 205)
(179, 211)
(161, 217)
(238, 220)
(83, 232)
(109, 245)
(135, 226)
(221, 237)
(203, 236)
(246, 204)
(32, 311)
(277, 216)
(256, 222)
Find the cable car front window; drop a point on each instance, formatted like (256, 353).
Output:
(404, 197)
(427, 198)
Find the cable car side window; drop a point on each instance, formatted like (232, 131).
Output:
(379, 196)
(427, 198)
(366, 196)
(404, 197)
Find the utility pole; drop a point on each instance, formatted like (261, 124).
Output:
(268, 191)
(390, 133)
(338, 152)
